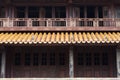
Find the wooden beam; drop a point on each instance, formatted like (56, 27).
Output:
(8, 2)
(71, 63)
(70, 1)
(3, 63)
(113, 11)
(42, 28)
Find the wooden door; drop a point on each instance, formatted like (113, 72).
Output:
(40, 62)
(2, 12)
(95, 62)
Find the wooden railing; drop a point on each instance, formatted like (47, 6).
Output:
(59, 22)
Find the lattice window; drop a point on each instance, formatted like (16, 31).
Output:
(96, 59)
(2, 12)
(17, 59)
(62, 59)
(27, 59)
(20, 12)
(33, 12)
(80, 59)
(88, 59)
(35, 59)
(105, 59)
(44, 59)
(52, 58)
(60, 12)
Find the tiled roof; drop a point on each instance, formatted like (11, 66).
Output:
(59, 37)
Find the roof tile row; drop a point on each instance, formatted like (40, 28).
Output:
(59, 37)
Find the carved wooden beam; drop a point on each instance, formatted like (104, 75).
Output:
(70, 1)
(8, 1)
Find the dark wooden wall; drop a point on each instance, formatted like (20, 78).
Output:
(95, 61)
(58, 70)
(39, 70)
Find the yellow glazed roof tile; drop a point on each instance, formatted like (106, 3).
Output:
(80, 37)
(94, 37)
(62, 37)
(84, 37)
(66, 37)
(59, 37)
(98, 37)
(48, 37)
(39, 38)
(43, 39)
(53, 40)
(35, 38)
(75, 37)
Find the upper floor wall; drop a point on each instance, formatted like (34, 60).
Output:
(51, 13)
(59, 8)
(73, 11)
(56, 2)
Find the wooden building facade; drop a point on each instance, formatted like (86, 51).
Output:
(59, 38)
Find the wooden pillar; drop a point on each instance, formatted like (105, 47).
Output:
(85, 12)
(3, 62)
(71, 12)
(112, 11)
(9, 11)
(71, 63)
(118, 62)
(85, 16)
(67, 16)
(52, 22)
(71, 15)
(96, 22)
(26, 12)
(112, 23)
(10, 14)
(96, 12)
(67, 11)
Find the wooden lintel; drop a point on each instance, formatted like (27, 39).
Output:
(70, 1)
(8, 2)
(2, 29)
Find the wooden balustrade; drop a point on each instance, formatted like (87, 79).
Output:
(59, 22)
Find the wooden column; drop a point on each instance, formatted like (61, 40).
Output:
(52, 22)
(118, 62)
(71, 63)
(85, 15)
(70, 12)
(3, 62)
(26, 11)
(112, 11)
(53, 12)
(85, 12)
(96, 22)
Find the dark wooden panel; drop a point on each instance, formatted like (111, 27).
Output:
(39, 70)
(97, 62)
